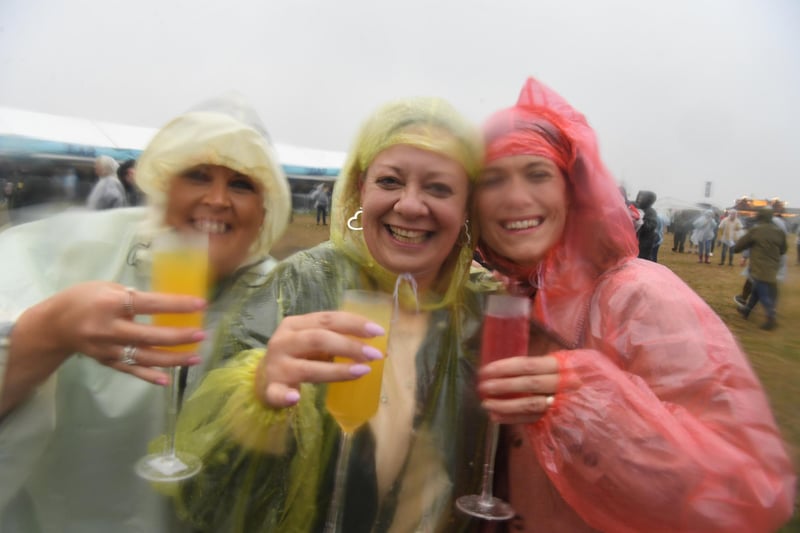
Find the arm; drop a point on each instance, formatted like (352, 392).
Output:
(745, 242)
(660, 424)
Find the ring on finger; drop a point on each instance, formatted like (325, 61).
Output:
(127, 306)
(129, 354)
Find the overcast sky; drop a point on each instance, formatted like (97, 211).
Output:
(679, 92)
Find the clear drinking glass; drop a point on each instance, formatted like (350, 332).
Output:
(352, 403)
(506, 330)
(180, 266)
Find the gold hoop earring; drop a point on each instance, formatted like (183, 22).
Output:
(351, 222)
(467, 241)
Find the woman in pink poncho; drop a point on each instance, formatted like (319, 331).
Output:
(640, 413)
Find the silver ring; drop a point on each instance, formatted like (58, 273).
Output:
(549, 400)
(129, 354)
(127, 306)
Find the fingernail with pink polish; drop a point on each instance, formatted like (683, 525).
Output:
(292, 397)
(195, 360)
(199, 336)
(359, 370)
(163, 381)
(374, 329)
(371, 353)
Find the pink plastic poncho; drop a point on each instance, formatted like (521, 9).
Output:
(659, 424)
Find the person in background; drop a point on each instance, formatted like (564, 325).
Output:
(658, 423)
(78, 404)
(108, 192)
(127, 176)
(268, 443)
(730, 229)
(648, 233)
(767, 244)
(705, 227)
(321, 203)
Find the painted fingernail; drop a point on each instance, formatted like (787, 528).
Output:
(163, 381)
(199, 302)
(359, 370)
(292, 397)
(376, 330)
(194, 360)
(198, 336)
(371, 353)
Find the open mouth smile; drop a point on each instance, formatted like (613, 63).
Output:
(408, 236)
(212, 227)
(523, 224)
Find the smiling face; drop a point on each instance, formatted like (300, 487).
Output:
(226, 205)
(415, 204)
(522, 206)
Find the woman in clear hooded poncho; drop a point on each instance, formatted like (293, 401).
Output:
(268, 443)
(72, 429)
(640, 411)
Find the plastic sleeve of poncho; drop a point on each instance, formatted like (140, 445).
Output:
(660, 424)
(223, 422)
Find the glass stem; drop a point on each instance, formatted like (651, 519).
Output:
(173, 390)
(488, 462)
(333, 523)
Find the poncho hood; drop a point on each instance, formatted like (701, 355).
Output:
(224, 131)
(598, 234)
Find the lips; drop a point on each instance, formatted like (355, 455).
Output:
(408, 236)
(523, 223)
(212, 227)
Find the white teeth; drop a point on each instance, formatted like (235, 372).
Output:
(210, 226)
(407, 235)
(523, 224)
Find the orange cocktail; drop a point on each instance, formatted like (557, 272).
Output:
(354, 402)
(181, 270)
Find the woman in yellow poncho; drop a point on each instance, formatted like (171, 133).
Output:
(268, 444)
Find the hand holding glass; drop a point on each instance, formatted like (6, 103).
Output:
(180, 266)
(505, 334)
(352, 403)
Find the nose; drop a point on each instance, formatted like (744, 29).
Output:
(411, 203)
(217, 193)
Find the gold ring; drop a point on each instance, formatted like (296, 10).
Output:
(127, 306)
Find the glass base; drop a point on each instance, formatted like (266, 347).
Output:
(490, 508)
(165, 467)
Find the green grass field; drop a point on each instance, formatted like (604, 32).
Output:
(775, 355)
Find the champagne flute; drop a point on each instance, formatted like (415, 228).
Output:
(505, 334)
(352, 403)
(180, 266)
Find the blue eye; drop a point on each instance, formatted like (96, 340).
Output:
(388, 182)
(242, 183)
(196, 175)
(440, 189)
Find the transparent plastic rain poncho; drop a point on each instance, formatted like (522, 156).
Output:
(272, 470)
(67, 453)
(659, 423)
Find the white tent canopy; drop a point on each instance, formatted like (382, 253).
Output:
(20, 128)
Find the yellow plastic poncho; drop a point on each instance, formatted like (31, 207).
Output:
(67, 453)
(272, 470)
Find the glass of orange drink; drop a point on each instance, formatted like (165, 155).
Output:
(352, 403)
(179, 266)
